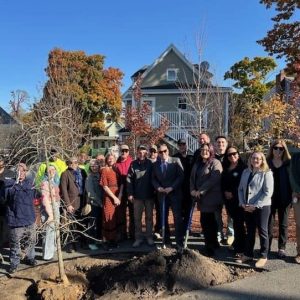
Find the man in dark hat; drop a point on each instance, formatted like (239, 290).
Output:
(187, 163)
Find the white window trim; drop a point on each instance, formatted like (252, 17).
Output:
(186, 104)
(172, 69)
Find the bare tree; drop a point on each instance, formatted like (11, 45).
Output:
(18, 98)
(57, 122)
(206, 103)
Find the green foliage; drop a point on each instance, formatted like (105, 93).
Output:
(250, 76)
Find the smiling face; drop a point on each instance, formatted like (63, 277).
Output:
(110, 160)
(51, 171)
(232, 155)
(256, 160)
(205, 153)
(221, 145)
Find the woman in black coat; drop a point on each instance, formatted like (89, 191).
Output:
(233, 168)
(279, 162)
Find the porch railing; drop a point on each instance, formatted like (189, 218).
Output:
(176, 129)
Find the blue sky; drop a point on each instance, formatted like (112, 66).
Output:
(129, 33)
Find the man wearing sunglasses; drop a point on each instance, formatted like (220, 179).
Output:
(167, 178)
(123, 164)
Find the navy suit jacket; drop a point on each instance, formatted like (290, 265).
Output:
(173, 178)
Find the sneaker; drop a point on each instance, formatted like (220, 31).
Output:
(244, 258)
(157, 235)
(137, 243)
(12, 269)
(281, 253)
(230, 240)
(297, 259)
(150, 241)
(261, 263)
(93, 247)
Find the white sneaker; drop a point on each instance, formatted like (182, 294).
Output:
(261, 263)
(230, 240)
(150, 241)
(137, 243)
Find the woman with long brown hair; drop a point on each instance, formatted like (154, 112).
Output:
(279, 162)
(110, 181)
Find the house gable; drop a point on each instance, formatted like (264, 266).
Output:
(5, 118)
(173, 61)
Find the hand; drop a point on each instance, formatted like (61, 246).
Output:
(198, 194)
(130, 198)
(161, 190)
(117, 201)
(249, 208)
(228, 195)
(193, 193)
(168, 190)
(70, 209)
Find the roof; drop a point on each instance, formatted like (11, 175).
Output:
(5, 118)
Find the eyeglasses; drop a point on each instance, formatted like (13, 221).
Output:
(153, 151)
(181, 144)
(256, 158)
(232, 154)
(124, 150)
(163, 151)
(278, 148)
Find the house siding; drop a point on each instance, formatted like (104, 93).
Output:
(157, 77)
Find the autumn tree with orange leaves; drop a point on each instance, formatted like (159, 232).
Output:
(138, 118)
(84, 78)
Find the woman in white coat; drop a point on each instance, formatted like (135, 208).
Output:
(255, 192)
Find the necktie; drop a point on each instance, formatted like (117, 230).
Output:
(164, 169)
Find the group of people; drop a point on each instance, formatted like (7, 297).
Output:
(215, 179)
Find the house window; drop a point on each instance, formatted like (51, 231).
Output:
(181, 103)
(171, 74)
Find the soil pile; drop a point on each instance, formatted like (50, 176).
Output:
(159, 272)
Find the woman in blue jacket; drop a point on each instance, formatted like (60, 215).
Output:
(255, 192)
(21, 218)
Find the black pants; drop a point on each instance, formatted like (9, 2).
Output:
(175, 204)
(186, 207)
(283, 216)
(258, 219)
(209, 229)
(157, 226)
(237, 215)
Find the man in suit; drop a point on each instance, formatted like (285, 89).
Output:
(167, 178)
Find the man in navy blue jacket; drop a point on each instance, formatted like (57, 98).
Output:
(20, 218)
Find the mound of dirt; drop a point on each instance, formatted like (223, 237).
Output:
(158, 272)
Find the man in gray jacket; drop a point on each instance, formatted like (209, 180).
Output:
(141, 194)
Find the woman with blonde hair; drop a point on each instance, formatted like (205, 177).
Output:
(255, 192)
(279, 161)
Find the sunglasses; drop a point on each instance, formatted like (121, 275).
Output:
(232, 154)
(153, 151)
(181, 144)
(124, 150)
(278, 148)
(163, 151)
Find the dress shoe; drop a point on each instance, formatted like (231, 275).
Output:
(29, 262)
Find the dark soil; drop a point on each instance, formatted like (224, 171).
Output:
(162, 272)
(120, 276)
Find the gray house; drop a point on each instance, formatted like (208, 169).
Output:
(183, 93)
(8, 127)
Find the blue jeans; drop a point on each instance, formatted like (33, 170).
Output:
(49, 243)
(22, 238)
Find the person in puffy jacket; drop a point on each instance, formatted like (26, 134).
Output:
(20, 218)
